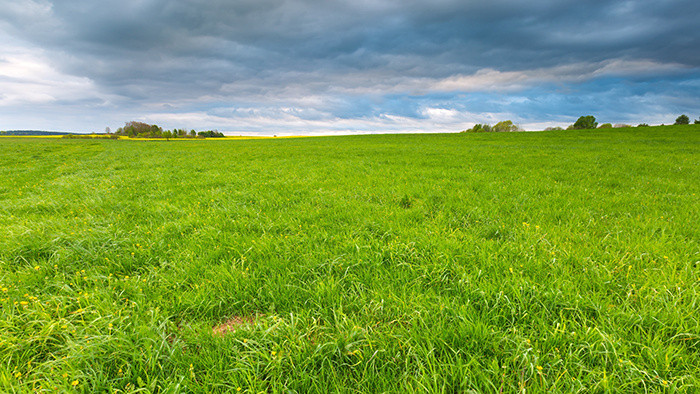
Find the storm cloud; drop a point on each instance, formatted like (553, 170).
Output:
(312, 66)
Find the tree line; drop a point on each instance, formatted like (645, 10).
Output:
(582, 123)
(135, 129)
(500, 127)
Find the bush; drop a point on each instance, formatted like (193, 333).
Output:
(585, 122)
(605, 126)
(683, 119)
(621, 125)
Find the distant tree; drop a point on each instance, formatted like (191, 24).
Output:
(167, 134)
(134, 128)
(586, 122)
(108, 130)
(3, 132)
(642, 125)
(683, 119)
(697, 121)
(193, 133)
(605, 126)
(557, 128)
(479, 128)
(210, 134)
(155, 131)
(621, 125)
(504, 126)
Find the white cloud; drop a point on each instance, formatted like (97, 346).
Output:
(27, 77)
(489, 80)
(295, 121)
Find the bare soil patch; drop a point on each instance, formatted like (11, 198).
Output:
(232, 324)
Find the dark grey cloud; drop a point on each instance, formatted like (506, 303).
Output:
(498, 34)
(195, 54)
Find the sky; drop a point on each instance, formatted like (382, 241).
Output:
(311, 67)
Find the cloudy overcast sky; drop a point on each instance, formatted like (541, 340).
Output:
(324, 66)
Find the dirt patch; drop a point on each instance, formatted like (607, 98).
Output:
(232, 324)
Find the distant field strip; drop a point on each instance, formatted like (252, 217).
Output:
(555, 261)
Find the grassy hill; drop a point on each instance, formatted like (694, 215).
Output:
(553, 261)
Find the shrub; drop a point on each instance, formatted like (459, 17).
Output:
(621, 125)
(605, 126)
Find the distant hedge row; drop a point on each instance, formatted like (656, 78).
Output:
(584, 122)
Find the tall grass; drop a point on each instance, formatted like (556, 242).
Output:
(554, 261)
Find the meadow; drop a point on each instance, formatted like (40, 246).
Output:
(564, 261)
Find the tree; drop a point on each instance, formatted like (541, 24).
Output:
(697, 121)
(193, 133)
(210, 134)
(505, 126)
(605, 126)
(482, 128)
(683, 119)
(167, 134)
(585, 122)
(108, 130)
(478, 128)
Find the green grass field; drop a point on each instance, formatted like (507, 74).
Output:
(556, 261)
